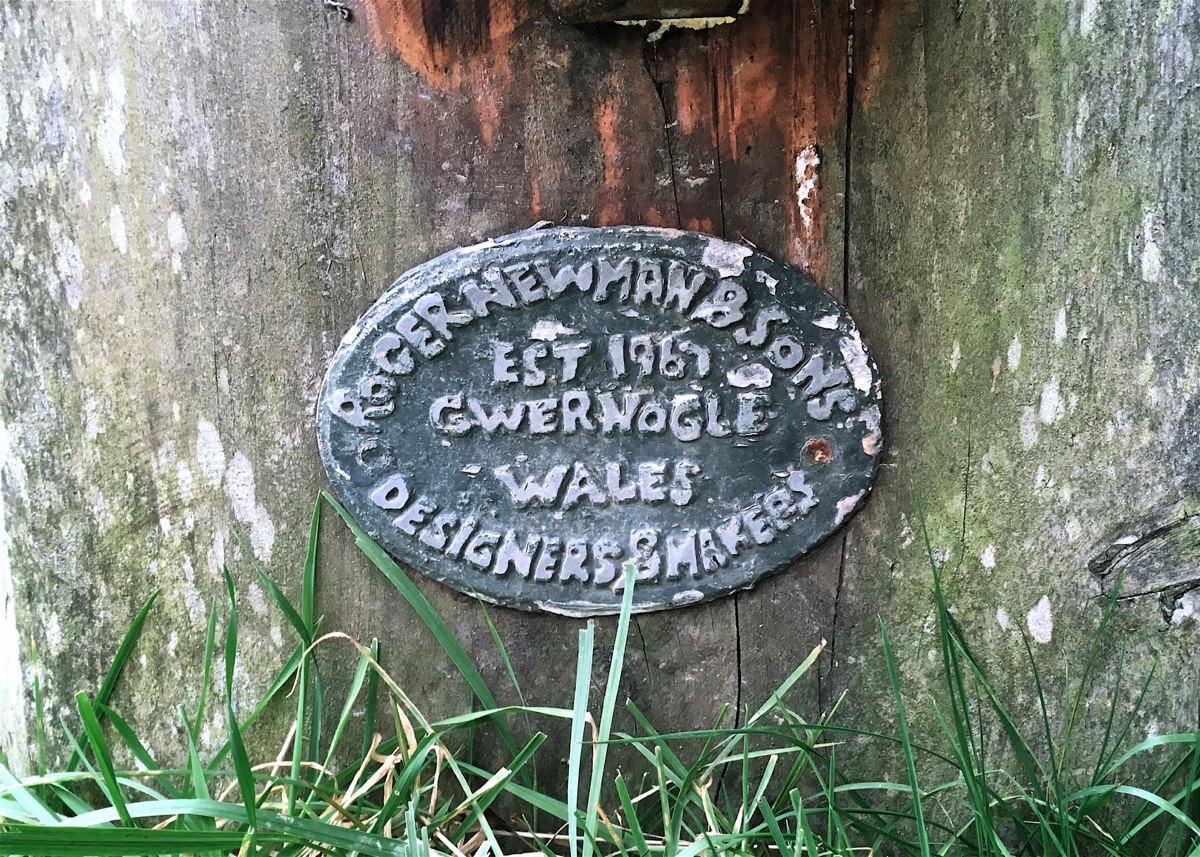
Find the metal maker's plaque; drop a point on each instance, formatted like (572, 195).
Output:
(522, 418)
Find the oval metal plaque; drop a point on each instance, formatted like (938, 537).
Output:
(521, 418)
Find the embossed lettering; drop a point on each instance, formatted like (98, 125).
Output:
(821, 408)
(681, 554)
(756, 523)
(479, 296)
(503, 363)
(479, 549)
(724, 306)
(391, 494)
(684, 425)
(543, 417)
(445, 415)
(526, 283)
(574, 557)
(715, 424)
(557, 283)
(711, 554)
(510, 554)
(733, 536)
(605, 551)
(620, 275)
(547, 559)
(752, 413)
(582, 485)
(680, 289)
(489, 421)
(531, 490)
(681, 485)
(651, 483)
(618, 418)
(390, 354)
(435, 534)
(575, 407)
(460, 538)
(432, 308)
(763, 319)
(649, 283)
(817, 377)
(622, 492)
(415, 516)
(569, 353)
(785, 352)
(534, 376)
(652, 418)
(420, 337)
(642, 544)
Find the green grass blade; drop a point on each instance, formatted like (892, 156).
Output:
(210, 644)
(198, 778)
(137, 748)
(282, 679)
(372, 701)
(281, 601)
(313, 832)
(38, 841)
(804, 831)
(91, 727)
(906, 744)
(773, 827)
(482, 800)
(360, 674)
(27, 800)
(118, 664)
(776, 697)
(583, 682)
(241, 762)
(631, 818)
(600, 753)
(38, 711)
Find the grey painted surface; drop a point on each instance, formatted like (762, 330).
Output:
(197, 200)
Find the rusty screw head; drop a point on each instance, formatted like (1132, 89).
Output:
(818, 450)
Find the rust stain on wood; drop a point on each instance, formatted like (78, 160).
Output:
(447, 42)
(781, 81)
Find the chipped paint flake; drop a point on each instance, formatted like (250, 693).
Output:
(856, 360)
(988, 558)
(1040, 622)
(548, 330)
(806, 182)
(846, 505)
(872, 442)
(725, 257)
(955, 356)
(750, 375)
(1002, 618)
(828, 322)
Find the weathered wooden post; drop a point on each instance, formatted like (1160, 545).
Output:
(198, 200)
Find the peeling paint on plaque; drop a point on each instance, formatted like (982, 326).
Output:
(523, 418)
